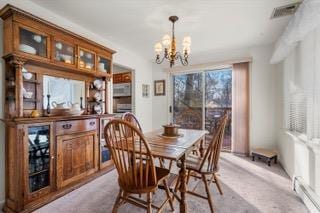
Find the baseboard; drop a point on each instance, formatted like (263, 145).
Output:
(307, 195)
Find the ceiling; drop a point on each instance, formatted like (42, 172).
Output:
(214, 25)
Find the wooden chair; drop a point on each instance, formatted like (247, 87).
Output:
(131, 118)
(133, 160)
(208, 164)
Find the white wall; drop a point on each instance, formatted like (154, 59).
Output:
(299, 157)
(160, 107)
(128, 58)
(262, 123)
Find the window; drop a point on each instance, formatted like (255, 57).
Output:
(301, 88)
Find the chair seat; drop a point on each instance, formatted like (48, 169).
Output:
(193, 162)
(161, 174)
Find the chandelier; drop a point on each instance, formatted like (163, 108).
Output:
(170, 50)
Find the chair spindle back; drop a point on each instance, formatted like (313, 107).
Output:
(131, 155)
(212, 153)
(131, 118)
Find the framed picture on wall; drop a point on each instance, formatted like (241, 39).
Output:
(159, 87)
(145, 90)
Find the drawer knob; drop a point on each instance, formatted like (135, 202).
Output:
(66, 126)
(92, 123)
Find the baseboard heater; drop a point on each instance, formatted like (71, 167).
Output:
(308, 196)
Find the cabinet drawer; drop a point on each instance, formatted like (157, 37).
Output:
(69, 127)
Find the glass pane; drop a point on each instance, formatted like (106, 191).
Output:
(64, 52)
(218, 100)
(33, 43)
(103, 64)
(86, 60)
(105, 153)
(187, 100)
(39, 157)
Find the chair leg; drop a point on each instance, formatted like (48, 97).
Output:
(188, 176)
(116, 204)
(217, 183)
(149, 201)
(204, 179)
(161, 162)
(170, 165)
(176, 187)
(168, 194)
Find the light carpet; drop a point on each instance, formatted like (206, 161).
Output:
(249, 187)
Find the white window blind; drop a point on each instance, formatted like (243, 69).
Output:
(298, 112)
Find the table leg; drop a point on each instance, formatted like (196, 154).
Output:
(183, 185)
(201, 149)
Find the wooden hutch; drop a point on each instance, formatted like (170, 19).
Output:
(49, 155)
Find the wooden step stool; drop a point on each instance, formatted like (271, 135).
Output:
(266, 154)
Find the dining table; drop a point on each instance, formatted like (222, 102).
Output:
(177, 149)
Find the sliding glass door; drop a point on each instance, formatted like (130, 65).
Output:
(201, 98)
(218, 100)
(188, 100)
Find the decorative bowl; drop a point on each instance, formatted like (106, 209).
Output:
(26, 75)
(81, 63)
(98, 84)
(97, 96)
(37, 38)
(97, 109)
(101, 67)
(59, 46)
(73, 112)
(89, 55)
(66, 57)
(171, 130)
(28, 49)
(26, 94)
(56, 105)
(89, 66)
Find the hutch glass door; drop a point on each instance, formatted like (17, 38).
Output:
(105, 155)
(64, 52)
(39, 157)
(33, 43)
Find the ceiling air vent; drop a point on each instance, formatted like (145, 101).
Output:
(286, 10)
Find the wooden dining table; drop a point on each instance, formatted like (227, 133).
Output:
(177, 149)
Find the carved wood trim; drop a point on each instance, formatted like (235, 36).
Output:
(9, 10)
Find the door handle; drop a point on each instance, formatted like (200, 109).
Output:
(170, 109)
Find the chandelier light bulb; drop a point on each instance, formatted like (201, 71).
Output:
(186, 49)
(166, 40)
(158, 48)
(186, 41)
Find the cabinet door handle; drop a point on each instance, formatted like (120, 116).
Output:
(66, 126)
(92, 123)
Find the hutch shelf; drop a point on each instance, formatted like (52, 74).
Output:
(47, 154)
